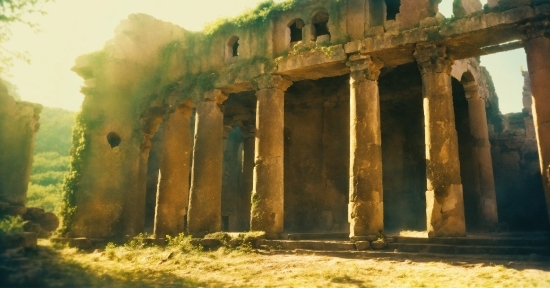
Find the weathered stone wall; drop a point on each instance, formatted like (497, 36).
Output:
(518, 182)
(403, 150)
(18, 126)
(153, 166)
(115, 128)
(232, 185)
(316, 149)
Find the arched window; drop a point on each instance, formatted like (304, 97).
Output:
(232, 47)
(320, 21)
(295, 27)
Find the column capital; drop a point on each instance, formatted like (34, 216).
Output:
(471, 90)
(432, 58)
(248, 131)
(369, 65)
(269, 81)
(185, 109)
(215, 95)
(535, 30)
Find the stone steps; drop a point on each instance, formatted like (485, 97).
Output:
(307, 244)
(387, 254)
(477, 241)
(484, 245)
(468, 249)
(316, 236)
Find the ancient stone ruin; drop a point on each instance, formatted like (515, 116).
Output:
(350, 116)
(18, 127)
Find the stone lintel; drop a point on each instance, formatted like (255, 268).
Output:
(215, 95)
(534, 30)
(369, 65)
(269, 81)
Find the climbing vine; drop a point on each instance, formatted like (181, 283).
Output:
(78, 156)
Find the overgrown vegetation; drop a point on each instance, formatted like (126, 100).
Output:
(11, 224)
(80, 143)
(257, 17)
(51, 159)
(118, 266)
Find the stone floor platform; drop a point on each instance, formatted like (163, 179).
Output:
(487, 245)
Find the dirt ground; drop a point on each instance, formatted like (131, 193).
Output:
(130, 266)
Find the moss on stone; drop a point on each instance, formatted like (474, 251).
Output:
(258, 17)
(78, 153)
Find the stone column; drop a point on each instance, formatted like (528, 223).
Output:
(173, 187)
(366, 208)
(248, 172)
(444, 199)
(18, 127)
(481, 156)
(537, 48)
(204, 214)
(268, 189)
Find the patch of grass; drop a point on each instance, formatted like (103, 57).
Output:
(170, 266)
(11, 224)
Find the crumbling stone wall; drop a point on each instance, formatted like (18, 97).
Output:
(18, 126)
(316, 149)
(403, 150)
(518, 182)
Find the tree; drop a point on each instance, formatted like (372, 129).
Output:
(14, 12)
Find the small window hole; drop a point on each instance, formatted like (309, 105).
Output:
(296, 30)
(320, 22)
(392, 9)
(113, 139)
(236, 48)
(232, 48)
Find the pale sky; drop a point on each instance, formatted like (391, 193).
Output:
(75, 27)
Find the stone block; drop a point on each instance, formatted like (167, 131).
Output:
(428, 22)
(369, 238)
(236, 242)
(27, 240)
(362, 245)
(80, 243)
(323, 39)
(378, 244)
(16, 210)
(373, 31)
(30, 240)
(210, 243)
(50, 222)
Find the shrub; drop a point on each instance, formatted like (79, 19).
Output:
(11, 224)
(182, 243)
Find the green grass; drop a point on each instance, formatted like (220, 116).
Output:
(11, 224)
(180, 264)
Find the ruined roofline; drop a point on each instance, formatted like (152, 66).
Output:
(179, 56)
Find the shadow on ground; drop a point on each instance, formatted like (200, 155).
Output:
(58, 271)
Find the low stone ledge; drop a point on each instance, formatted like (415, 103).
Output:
(362, 245)
(26, 240)
(369, 238)
(379, 244)
(80, 242)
